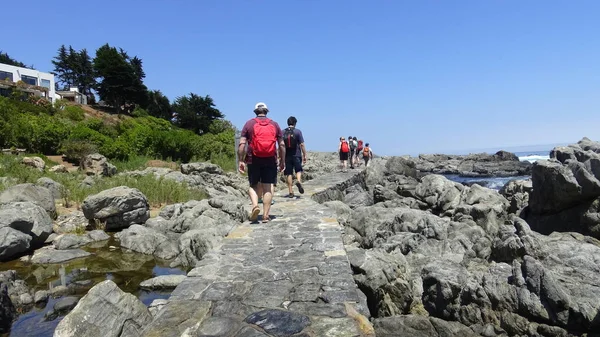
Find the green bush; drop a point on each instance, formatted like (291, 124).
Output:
(35, 128)
(118, 149)
(46, 134)
(72, 112)
(75, 150)
(139, 112)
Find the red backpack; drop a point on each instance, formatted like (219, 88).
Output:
(360, 145)
(345, 148)
(264, 138)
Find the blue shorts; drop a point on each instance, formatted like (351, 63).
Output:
(262, 173)
(292, 163)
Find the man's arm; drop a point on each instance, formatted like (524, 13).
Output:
(281, 149)
(281, 146)
(281, 153)
(242, 150)
(303, 148)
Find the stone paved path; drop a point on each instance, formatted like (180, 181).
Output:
(288, 277)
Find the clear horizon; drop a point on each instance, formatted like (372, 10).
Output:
(407, 77)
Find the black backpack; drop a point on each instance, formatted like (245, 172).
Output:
(289, 139)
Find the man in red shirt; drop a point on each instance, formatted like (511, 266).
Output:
(262, 135)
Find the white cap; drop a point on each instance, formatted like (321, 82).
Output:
(260, 105)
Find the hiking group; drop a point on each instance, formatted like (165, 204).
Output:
(351, 149)
(264, 148)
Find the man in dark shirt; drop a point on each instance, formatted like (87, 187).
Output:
(261, 169)
(295, 153)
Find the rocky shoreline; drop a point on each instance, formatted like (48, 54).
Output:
(433, 257)
(500, 164)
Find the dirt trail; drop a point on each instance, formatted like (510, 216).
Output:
(60, 161)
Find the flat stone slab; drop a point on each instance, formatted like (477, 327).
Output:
(290, 276)
(48, 255)
(162, 282)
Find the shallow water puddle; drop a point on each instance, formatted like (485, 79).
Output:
(126, 269)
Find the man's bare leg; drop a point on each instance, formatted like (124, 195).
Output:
(253, 193)
(289, 183)
(267, 197)
(259, 191)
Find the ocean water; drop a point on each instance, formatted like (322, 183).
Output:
(533, 156)
(497, 183)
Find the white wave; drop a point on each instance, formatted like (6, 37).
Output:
(496, 184)
(534, 158)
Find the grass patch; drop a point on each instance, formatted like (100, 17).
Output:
(227, 163)
(134, 163)
(158, 191)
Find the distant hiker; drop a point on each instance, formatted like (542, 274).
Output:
(355, 152)
(359, 149)
(295, 153)
(263, 136)
(353, 145)
(367, 153)
(344, 150)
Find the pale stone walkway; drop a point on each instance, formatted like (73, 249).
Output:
(288, 277)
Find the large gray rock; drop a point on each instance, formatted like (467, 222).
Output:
(97, 164)
(147, 241)
(54, 187)
(118, 207)
(566, 191)
(29, 192)
(196, 168)
(12, 243)
(35, 162)
(27, 218)
(7, 309)
(105, 311)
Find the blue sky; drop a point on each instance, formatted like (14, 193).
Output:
(407, 76)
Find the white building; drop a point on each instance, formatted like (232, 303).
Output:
(10, 75)
(72, 95)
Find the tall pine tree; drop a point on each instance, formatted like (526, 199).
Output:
(120, 81)
(74, 69)
(196, 113)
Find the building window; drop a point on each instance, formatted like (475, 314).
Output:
(29, 79)
(45, 83)
(6, 76)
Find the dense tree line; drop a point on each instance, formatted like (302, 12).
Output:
(6, 59)
(118, 80)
